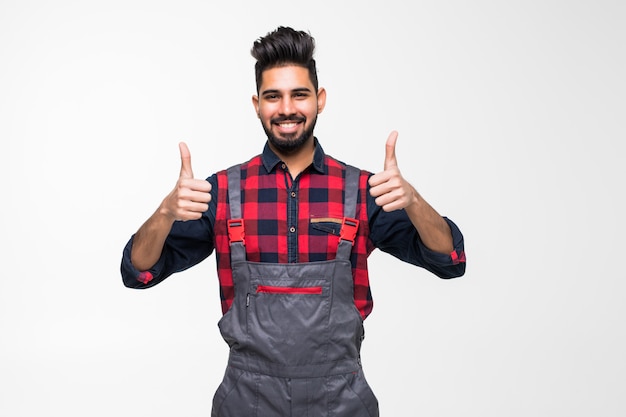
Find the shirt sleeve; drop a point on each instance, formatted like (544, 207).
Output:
(187, 244)
(393, 233)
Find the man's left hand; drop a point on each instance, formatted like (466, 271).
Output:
(389, 188)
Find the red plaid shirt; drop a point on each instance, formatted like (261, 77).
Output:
(294, 220)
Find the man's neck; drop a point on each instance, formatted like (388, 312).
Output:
(298, 160)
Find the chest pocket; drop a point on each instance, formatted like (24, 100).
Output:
(325, 225)
(323, 239)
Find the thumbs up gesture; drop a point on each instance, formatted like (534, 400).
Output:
(389, 188)
(190, 197)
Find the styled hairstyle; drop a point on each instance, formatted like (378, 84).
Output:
(284, 46)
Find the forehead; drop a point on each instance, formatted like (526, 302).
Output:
(286, 78)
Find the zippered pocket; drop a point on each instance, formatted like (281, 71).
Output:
(286, 317)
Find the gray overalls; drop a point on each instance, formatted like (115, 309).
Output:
(293, 330)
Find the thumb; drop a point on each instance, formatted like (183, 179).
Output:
(390, 150)
(185, 161)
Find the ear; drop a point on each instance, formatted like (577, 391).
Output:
(321, 99)
(255, 103)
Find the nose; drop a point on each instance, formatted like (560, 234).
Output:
(287, 106)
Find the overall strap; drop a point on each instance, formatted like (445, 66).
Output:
(352, 191)
(236, 232)
(234, 191)
(350, 224)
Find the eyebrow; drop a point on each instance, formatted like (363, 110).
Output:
(295, 90)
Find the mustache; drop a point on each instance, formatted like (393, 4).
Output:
(281, 119)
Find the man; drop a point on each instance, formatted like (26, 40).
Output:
(292, 229)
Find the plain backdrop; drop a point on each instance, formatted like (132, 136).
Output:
(511, 118)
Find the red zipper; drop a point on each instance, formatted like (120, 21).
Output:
(270, 289)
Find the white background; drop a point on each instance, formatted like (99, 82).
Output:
(511, 120)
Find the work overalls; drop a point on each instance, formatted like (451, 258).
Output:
(293, 330)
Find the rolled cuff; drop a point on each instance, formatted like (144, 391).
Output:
(132, 277)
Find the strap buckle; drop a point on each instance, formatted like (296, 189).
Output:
(236, 231)
(349, 227)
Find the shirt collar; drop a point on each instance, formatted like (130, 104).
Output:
(270, 159)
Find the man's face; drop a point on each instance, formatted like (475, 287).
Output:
(287, 106)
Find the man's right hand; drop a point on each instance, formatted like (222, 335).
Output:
(190, 198)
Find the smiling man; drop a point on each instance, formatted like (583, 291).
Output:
(292, 229)
(288, 104)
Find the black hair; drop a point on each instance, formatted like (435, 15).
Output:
(284, 46)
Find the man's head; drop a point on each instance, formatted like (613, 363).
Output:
(288, 98)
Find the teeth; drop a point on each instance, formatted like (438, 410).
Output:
(288, 125)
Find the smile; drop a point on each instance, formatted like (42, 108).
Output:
(288, 125)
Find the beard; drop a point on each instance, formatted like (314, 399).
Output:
(289, 143)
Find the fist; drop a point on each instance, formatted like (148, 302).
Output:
(190, 197)
(389, 188)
